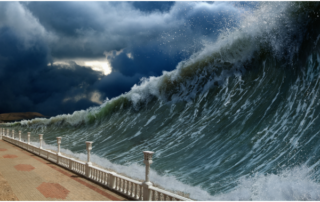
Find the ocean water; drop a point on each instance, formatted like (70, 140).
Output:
(238, 120)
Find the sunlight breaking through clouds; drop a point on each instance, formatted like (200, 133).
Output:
(97, 65)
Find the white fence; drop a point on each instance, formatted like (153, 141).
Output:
(131, 188)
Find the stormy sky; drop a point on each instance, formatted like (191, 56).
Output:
(58, 57)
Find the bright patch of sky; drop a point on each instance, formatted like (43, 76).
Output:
(101, 65)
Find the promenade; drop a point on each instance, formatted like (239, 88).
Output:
(25, 176)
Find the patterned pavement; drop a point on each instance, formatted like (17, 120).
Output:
(36, 179)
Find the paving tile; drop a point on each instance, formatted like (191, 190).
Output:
(53, 190)
(24, 167)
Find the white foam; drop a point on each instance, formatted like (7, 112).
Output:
(151, 119)
(293, 184)
(137, 171)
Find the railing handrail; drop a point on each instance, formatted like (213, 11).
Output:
(78, 161)
(117, 175)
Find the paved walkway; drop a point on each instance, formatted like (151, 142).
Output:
(33, 178)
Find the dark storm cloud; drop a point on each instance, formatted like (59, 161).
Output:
(147, 37)
(27, 83)
(88, 29)
(202, 22)
(116, 83)
(147, 60)
(64, 18)
(151, 6)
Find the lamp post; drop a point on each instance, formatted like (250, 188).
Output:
(146, 184)
(88, 164)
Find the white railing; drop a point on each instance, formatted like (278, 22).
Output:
(79, 167)
(133, 189)
(52, 156)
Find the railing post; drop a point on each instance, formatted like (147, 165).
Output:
(71, 163)
(19, 143)
(28, 139)
(147, 194)
(40, 140)
(58, 153)
(40, 146)
(88, 164)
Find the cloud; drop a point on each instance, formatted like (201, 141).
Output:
(26, 82)
(88, 29)
(152, 6)
(137, 39)
(147, 60)
(116, 83)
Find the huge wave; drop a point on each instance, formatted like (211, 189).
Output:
(238, 120)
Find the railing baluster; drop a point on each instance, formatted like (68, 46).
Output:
(161, 197)
(116, 183)
(105, 178)
(121, 185)
(131, 192)
(135, 191)
(141, 192)
(153, 195)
